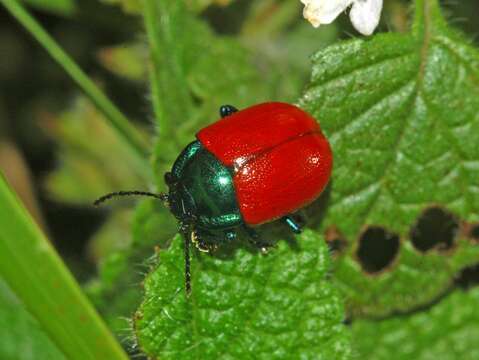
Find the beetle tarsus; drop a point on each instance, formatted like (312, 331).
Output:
(199, 243)
(256, 240)
(292, 224)
(198, 239)
(226, 110)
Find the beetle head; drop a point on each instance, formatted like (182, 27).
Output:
(181, 203)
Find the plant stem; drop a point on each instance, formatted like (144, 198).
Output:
(165, 27)
(115, 117)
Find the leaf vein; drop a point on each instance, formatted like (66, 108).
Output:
(361, 116)
(352, 72)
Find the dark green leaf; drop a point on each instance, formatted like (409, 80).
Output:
(448, 331)
(244, 305)
(401, 112)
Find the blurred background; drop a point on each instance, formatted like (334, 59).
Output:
(54, 148)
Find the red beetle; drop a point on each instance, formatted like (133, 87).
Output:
(251, 167)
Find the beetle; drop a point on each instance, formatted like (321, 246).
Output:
(250, 167)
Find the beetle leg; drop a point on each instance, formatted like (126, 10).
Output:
(293, 225)
(226, 110)
(256, 240)
(186, 233)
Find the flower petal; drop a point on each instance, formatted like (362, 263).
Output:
(319, 12)
(365, 15)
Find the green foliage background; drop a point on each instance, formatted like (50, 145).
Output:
(401, 110)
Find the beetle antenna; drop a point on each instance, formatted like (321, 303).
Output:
(162, 197)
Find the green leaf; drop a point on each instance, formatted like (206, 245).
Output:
(244, 305)
(126, 60)
(62, 7)
(21, 337)
(402, 115)
(38, 278)
(448, 331)
(85, 172)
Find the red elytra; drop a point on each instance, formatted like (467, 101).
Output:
(281, 159)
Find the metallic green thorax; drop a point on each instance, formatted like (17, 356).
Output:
(203, 187)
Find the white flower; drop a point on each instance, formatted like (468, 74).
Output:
(364, 14)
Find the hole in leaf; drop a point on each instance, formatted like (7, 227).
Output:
(474, 232)
(335, 240)
(435, 228)
(468, 277)
(377, 249)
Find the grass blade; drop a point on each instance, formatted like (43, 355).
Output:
(36, 274)
(58, 7)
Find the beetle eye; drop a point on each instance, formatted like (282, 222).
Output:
(169, 178)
